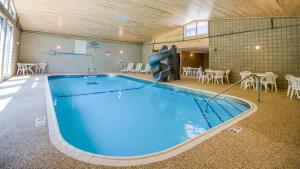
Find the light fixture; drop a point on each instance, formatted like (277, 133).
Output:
(122, 18)
(120, 32)
(257, 47)
(121, 51)
(57, 47)
(192, 54)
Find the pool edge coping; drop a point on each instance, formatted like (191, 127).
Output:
(63, 146)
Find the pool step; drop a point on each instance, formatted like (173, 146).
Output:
(212, 117)
(219, 110)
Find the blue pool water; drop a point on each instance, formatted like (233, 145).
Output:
(123, 116)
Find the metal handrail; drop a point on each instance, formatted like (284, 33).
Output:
(236, 83)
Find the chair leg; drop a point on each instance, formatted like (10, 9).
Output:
(266, 87)
(272, 87)
(245, 86)
(275, 86)
(292, 93)
(288, 91)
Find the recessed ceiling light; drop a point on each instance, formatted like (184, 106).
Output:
(122, 18)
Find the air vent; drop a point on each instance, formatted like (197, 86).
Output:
(40, 121)
(122, 18)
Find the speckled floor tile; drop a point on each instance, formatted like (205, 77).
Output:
(270, 137)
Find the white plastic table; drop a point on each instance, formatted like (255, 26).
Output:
(212, 72)
(261, 76)
(191, 71)
(29, 66)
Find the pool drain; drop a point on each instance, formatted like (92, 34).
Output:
(235, 130)
(40, 121)
(92, 83)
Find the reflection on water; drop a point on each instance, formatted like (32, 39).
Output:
(193, 130)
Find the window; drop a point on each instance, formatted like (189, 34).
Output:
(202, 27)
(8, 50)
(6, 37)
(190, 29)
(11, 10)
(5, 3)
(1, 42)
(196, 28)
(12, 13)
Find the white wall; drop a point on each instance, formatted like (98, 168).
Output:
(146, 51)
(35, 47)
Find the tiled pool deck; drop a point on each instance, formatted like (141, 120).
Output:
(270, 138)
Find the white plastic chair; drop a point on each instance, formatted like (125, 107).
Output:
(295, 89)
(19, 70)
(210, 75)
(147, 69)
(288, 78)
(200, 75)
(204, 76)
(138, 68)
(269, 79)
(22, 69)
(249, 82)
(226, 77)
(41, 68)
(129, 68)
(187, 71)
(218, 77)
(194, 72)
(184, 71)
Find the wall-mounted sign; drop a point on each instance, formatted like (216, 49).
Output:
(107, 53)
(80, 47)
(94, 44)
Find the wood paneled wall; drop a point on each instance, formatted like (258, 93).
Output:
(176, 37)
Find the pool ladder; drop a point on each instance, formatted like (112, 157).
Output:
(236, 83)
(90, 73)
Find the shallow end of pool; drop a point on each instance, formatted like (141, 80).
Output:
(63, 146)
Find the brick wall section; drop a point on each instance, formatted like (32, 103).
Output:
(35, 48)
(232, 46)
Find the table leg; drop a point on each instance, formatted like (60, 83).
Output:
(258, 88)
(29, 68)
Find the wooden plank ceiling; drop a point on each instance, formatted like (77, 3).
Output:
(146, 18)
